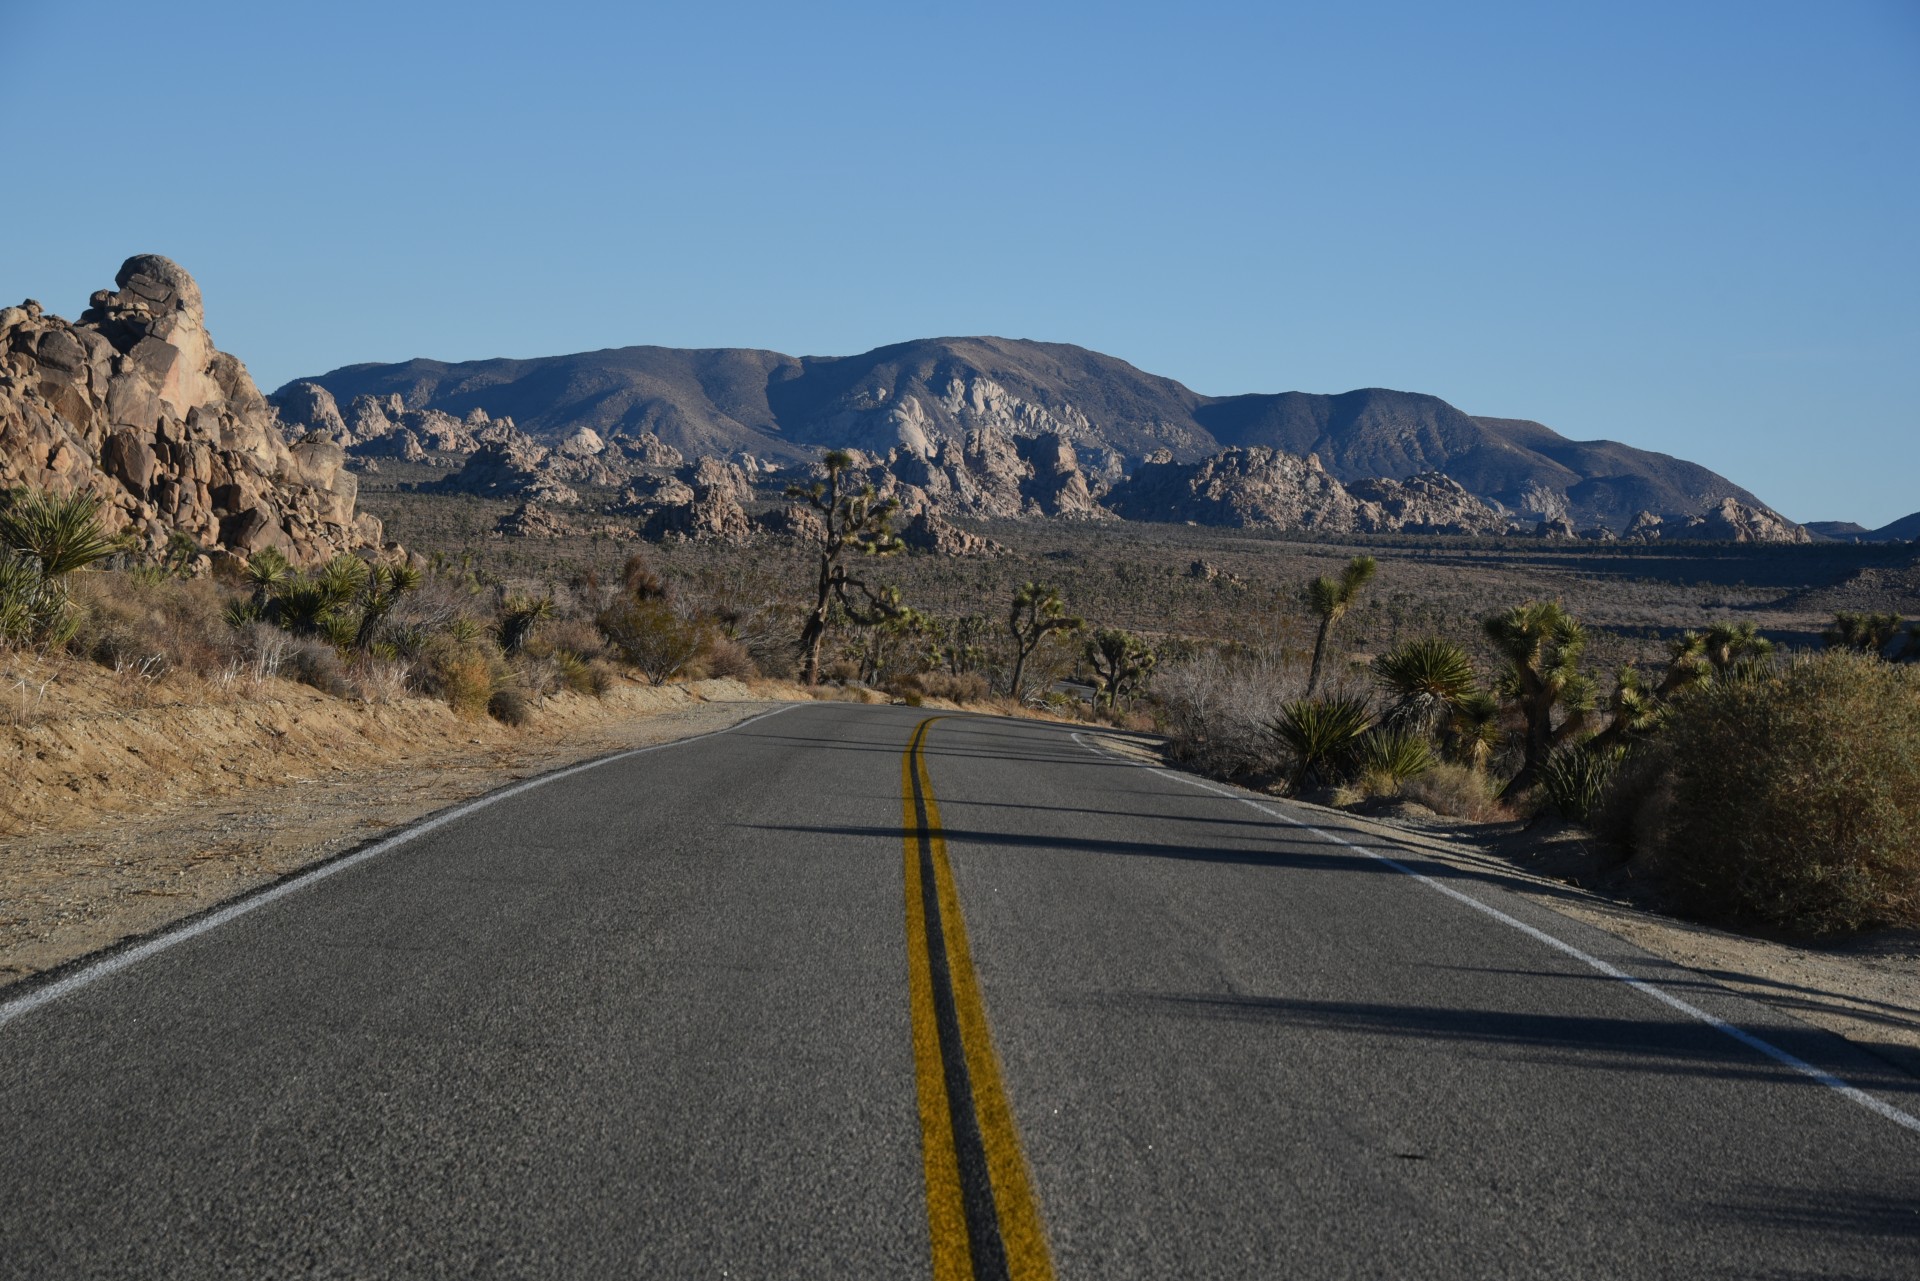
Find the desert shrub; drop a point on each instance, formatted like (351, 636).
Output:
(510, 705)
(126, 618)
(968, 687)
(1456, 791)
(464, 676)
(1794, 802)
(576, 636)
(723, 656)
(650, 636)
(378, 680)
(1574, 780)
(1323, 737)
(317, 664)
(1217, 706)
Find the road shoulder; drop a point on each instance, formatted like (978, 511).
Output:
(1866, 991)
(69, 893)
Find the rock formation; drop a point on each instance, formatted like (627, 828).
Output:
(927, 532)
(133, 403)
(1255, 486)
(1731, 520)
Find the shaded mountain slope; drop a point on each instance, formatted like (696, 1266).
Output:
(919, 396)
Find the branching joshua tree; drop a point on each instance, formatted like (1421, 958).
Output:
(1037, 613)
(1542, 680)
(1121, 663)
(856, 521)
(1867, 633)
(1330, 599)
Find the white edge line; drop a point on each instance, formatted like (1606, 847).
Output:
(19, 1005)
(1746, 1038)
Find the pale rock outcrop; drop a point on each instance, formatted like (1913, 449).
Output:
(133, 403)
(1256, 486)
(1731, 520)
(1645, 527)
(1428, 503)
(927, 532)
(531, 520)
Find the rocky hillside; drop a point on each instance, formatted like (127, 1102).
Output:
(929, 398)
(135, 404)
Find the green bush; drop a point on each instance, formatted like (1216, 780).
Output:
(1793, 802)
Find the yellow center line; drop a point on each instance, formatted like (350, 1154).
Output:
(969, 1127)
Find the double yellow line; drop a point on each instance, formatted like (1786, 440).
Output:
(981, 1211)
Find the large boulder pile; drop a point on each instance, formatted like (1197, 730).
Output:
(1256, 486)
(133, 403)
(1429, 503)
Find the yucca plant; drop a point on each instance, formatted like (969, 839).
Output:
(520, 618)
(1427, 679)
(1473, 730)
(63, 534)
(1393, 755)
(1574, 779)
(1321, 735)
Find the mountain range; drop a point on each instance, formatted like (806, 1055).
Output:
(913, 398)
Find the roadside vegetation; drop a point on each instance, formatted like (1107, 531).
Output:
(1768, 786)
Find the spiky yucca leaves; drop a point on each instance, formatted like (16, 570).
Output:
(1574, 780)
(1393, 754)
(267, 572)
(1473, 730)
(1427, 679)
(1322, 736)
(1864, 633)
(63, 534)
(1541, 644)
(1330, 599)
(520, 618)
(28, 601)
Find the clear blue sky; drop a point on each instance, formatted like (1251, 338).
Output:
(1692, 227)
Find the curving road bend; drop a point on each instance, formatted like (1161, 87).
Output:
(866, 992)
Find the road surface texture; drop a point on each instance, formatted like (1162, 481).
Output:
(858, 991)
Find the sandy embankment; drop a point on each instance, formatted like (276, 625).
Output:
(127, 805)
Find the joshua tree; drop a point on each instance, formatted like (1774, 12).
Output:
(1331, 598)
(1542, 644)
(1120, 661)
(1037, 613)
(1868, 633)
(856, 521)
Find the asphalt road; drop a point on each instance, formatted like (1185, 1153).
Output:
(800, 1000)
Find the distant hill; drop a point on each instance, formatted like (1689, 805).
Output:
(731, 401)
(1904, 530)
(1839, 531)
